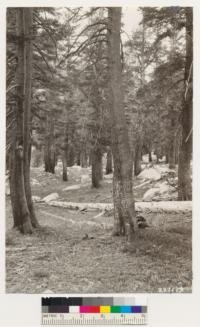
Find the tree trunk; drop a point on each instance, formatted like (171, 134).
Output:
(184, 170)
(96, 167)
(137, 159)
(50, 159)
(78, 159)
(21, 213)
(64, 162)
(171, 155)
(71, 156)
(124, 206)
(28, 21)
(84, 160)
(109, 169)
(49, 149)
(150, 156)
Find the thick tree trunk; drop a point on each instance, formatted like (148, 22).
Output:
(96, 167)
(124, 206)
(109, 169)
(28, 20)
(184, 169)
(21, 213)
(137, 159)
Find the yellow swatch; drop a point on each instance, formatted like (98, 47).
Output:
(105, 309)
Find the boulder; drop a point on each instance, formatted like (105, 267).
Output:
(51, 197)
(85, 179)
(149, 195)
(150, 173)
(72, 187)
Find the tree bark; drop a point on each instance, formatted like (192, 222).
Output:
(84, 159)
(124, 206)
(96, 167)
(137, 158)
(21, 213)
(64, 162)
(71, 155)
(171, 155)
(28, 21)
(78, 158)
(184, 171)
(49, 149)
(150, 156)
(109, 168)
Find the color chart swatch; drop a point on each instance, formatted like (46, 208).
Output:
(92, 310)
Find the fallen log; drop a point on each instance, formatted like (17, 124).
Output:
(161, 206)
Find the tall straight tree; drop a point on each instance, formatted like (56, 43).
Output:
(28, 49)
(184, 178)
(124, 206)
(23, 213)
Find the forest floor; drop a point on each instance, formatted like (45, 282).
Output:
(74, 252)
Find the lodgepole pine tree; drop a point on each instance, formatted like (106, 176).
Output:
(184, 178)
(23, 212)
(124, 206)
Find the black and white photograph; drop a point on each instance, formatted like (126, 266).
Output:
(99, 129)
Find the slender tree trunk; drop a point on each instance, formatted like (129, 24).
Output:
(109, 169)
(71, 156)
(171, 155)
(64, 162)
(21, 214)
(49, 149)
(78, 158)
(124, 206)
(137, 158)
(184, 171)
(150, 156)
(96, 167)
(84, 159)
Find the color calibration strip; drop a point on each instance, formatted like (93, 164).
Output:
(91, 310)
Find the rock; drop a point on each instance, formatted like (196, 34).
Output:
(85, 179)
(150, 173)
(148, 196)
(51, 197)
(34, 182)
(36, 198)
(72, 187)
(161, 191)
